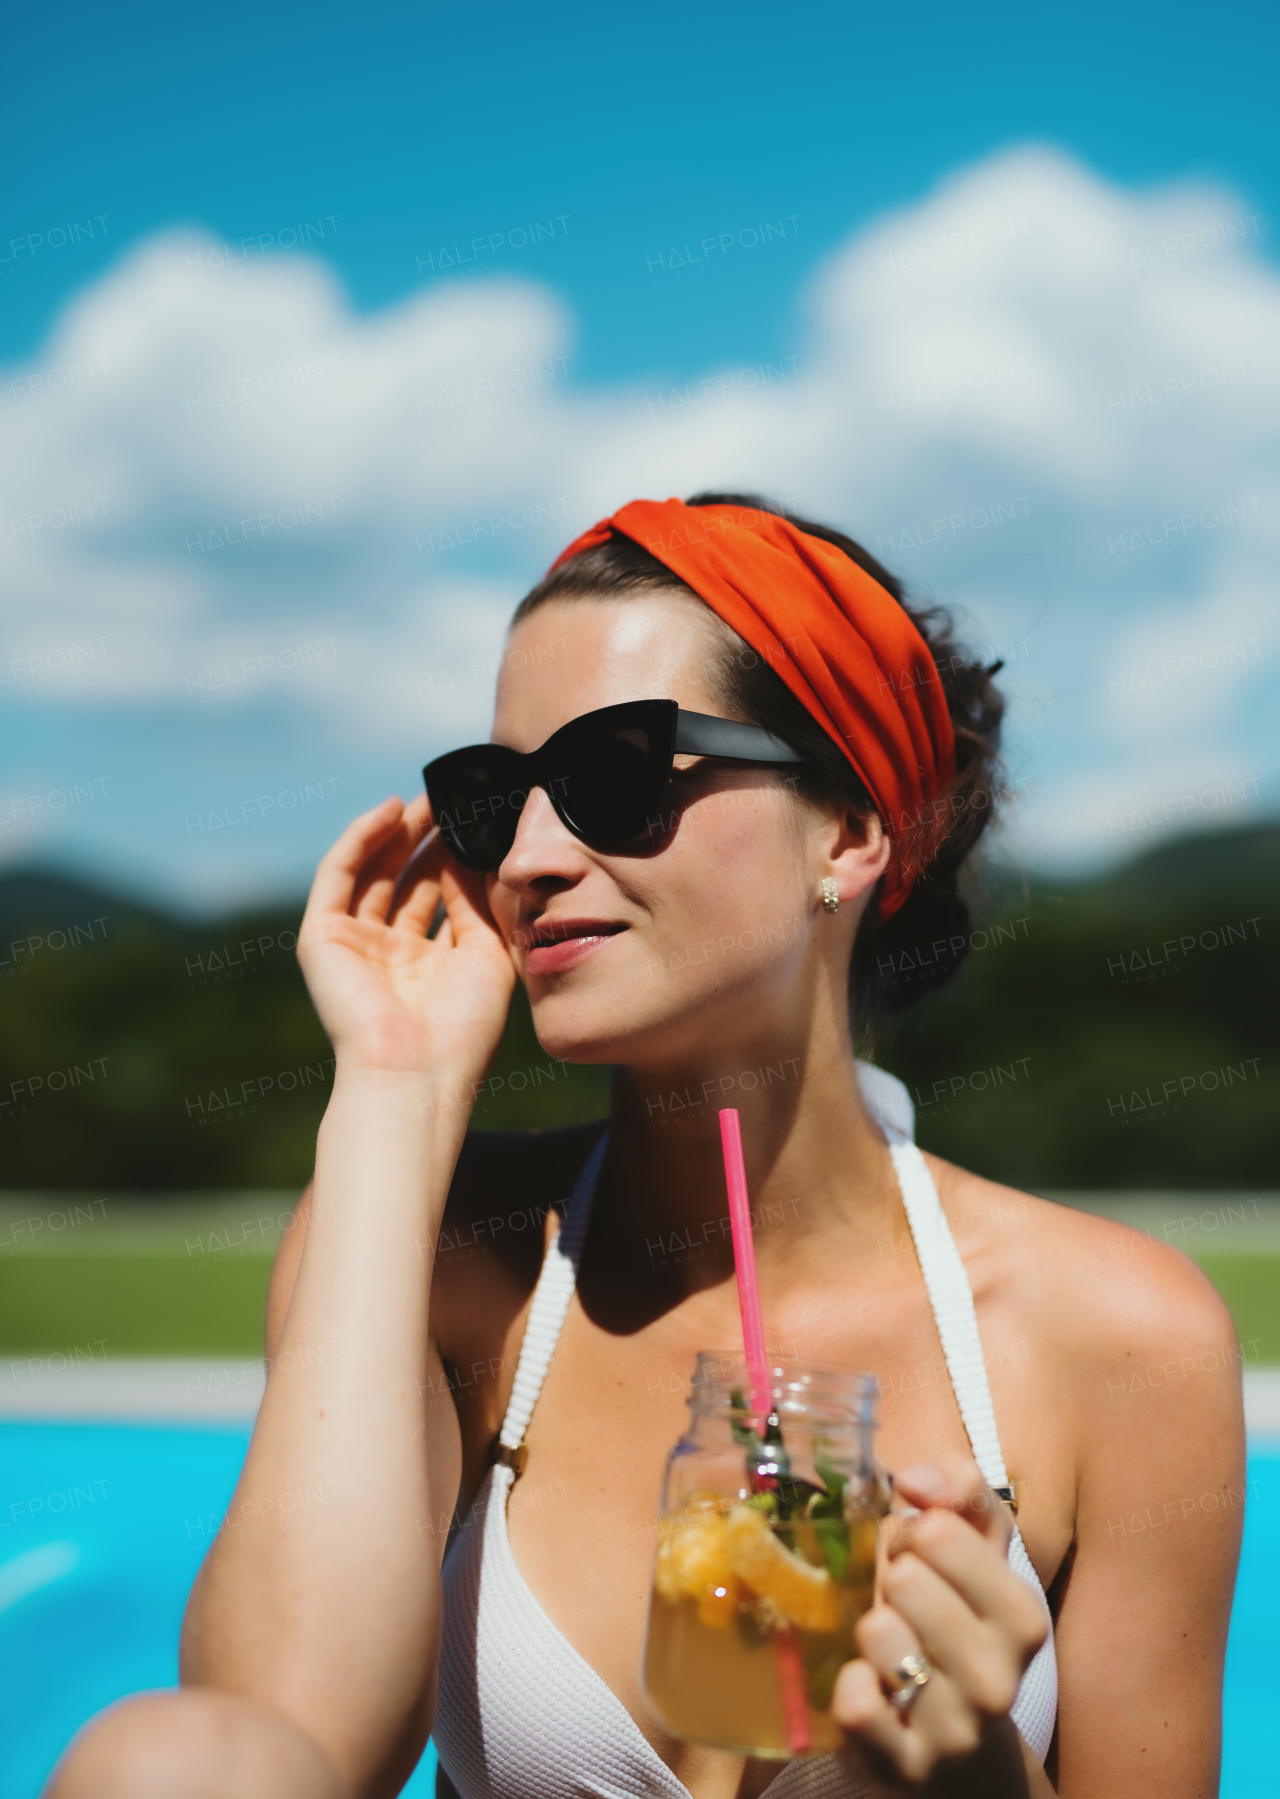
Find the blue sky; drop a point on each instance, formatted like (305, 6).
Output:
(390, 136)
(645, 126)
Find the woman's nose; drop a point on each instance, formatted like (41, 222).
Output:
(543, 846)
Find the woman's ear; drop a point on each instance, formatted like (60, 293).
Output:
(859, 855)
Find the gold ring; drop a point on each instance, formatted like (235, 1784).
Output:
(913, 1672)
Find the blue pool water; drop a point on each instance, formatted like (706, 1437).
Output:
(102, 1528)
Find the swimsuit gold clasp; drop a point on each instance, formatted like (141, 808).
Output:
(514, 1459)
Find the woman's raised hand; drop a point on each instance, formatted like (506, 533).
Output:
(947, 1592)
(390, 998)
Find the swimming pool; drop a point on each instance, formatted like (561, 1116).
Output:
(102, 1528)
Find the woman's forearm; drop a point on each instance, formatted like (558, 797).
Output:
(321, 1592)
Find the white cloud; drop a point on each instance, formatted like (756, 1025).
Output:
(1130, 808)
(1187, 665)
(1009, 390)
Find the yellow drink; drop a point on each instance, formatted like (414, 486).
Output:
(746, 1608)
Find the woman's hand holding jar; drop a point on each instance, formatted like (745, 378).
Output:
(954, 1611)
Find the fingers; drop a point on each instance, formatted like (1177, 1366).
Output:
(984, 1653)
(339, 868)
(954, 1481)
(376, 883)
(415, 898)
(429, 876)
(466, 900)
(944, 1578)
(947, 1592)
(938, 1725)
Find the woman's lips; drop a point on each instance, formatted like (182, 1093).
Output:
(569, 943)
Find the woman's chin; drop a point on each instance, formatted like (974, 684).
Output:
(582, 1047)
(591, 1033)
(586, 1031)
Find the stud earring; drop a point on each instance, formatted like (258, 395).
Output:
(830, 898)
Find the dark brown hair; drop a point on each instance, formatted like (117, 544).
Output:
(923, 944)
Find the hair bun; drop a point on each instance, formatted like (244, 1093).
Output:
(920, 948)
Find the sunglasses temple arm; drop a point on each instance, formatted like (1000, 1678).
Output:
(697, 734)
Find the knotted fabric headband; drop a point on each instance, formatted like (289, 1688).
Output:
(844, 646)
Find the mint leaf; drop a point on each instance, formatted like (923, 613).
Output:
(832, 1479)
(833, 1538)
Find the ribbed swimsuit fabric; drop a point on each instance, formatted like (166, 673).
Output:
(521, 1714)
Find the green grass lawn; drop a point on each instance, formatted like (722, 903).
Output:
(1250, 1284)
(153, 1303)
(132, 1305)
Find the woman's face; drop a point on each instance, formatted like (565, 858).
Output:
(711, 928)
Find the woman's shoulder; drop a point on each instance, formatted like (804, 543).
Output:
(1107, 1290)
(1114, 1365)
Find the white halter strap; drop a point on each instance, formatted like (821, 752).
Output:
(551, 1301)
(952, 1299)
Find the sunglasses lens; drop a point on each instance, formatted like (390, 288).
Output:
(609, 777)
(476, 799)
(605, 773)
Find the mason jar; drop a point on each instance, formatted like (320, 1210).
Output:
(766, 1555)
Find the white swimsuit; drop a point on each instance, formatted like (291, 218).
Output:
(521, 1714)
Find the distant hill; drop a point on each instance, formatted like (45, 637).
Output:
(1133, 1011)
(1105, 1033)
(34, 899)
(1211, 865)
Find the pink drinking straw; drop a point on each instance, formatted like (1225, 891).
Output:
(795, 1710)
(744, 1259)
(795, 1707)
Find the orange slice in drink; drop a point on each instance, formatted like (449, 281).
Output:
(717, 1605)
(693, 1562)
(803, 1594)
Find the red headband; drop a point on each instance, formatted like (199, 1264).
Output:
(843, 645)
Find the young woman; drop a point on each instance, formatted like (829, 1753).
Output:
(689, 902)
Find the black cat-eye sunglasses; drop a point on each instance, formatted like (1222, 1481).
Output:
(605, 773)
